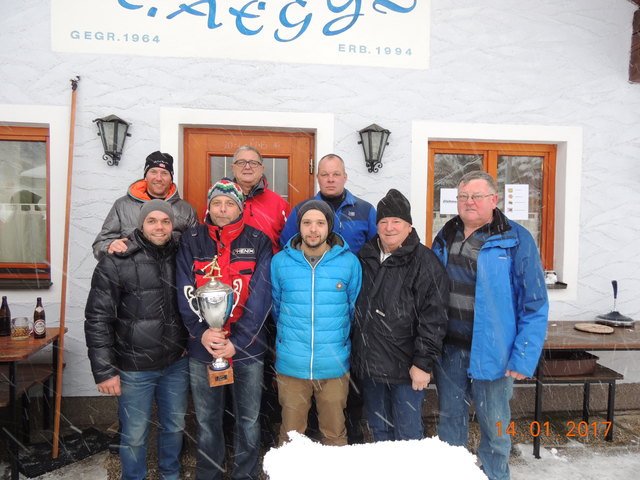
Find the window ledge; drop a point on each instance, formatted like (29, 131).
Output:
(25, 284)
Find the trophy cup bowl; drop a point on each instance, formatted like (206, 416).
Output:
(215, 302)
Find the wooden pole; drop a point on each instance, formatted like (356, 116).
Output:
(65, 265)
(634, 60)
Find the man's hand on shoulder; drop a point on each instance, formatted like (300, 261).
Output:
(111, 386)
(119, 245)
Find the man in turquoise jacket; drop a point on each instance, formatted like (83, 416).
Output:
(315, 282)
(355, 221)
(498, 310)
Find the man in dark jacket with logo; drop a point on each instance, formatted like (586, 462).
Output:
(243, 254)
(121, 219)
(399, 324)
(137, 341)
(497, 319)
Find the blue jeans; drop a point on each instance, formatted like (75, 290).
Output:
(491, 399)
(170, 388)
(393, 411)
(209, 403)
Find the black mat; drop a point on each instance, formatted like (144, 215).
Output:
(36, 460)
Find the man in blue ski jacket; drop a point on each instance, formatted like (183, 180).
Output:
(498, 310)
(315, 283)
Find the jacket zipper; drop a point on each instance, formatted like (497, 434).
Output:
(313, 310)
(313, 318)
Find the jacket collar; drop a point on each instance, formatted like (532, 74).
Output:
(226, 234)
(138, 191)
(400, 255)
(137, 241)
(349, 199)
(499, 224)
(336, 243)
(258, 188)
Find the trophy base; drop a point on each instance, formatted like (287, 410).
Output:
(220, 377)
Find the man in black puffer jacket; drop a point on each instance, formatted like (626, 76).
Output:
(400, 321)
(137, 341)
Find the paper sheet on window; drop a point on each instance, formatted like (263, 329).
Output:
(448, 202)
(516, 201)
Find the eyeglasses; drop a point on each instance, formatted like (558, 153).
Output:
(244, 163)
(463, 197)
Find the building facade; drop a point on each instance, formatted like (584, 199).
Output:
(499, 72)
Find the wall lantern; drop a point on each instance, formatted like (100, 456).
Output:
(113, 131)
(374, 139)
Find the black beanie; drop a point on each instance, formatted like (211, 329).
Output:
(324, 208)
(394, 204)
(159, 160)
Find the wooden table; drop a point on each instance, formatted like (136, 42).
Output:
(563, 336)
(11, 353)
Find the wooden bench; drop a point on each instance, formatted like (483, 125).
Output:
(601, 375)
(29, 375)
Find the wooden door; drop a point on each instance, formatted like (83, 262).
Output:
(208, 153)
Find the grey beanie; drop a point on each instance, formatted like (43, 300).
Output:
(152, 206)
(324, 208)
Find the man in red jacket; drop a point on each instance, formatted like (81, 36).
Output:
(264, 209)
(267, 211)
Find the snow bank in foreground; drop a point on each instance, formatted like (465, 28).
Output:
(427, 458)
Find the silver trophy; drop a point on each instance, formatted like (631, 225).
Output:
(213, 303)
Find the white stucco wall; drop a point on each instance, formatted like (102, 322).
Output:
(539, 64)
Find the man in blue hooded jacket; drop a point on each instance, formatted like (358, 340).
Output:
(315, 283)
(497, 311)
(355, 220)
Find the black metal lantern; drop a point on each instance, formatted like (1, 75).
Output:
(113, 131)
(373, 139)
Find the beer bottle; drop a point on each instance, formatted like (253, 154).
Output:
(5, 319)
(39, 325)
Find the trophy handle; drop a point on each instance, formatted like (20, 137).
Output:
(237, 288)
(192, 300)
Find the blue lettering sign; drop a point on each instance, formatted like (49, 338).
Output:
(328, 31)
(295, 17)
(128, 6)
(286, 23)
(242, 13)
(211, 15)
(393, 6)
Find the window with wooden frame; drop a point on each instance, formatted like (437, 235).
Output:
(533, 165)
(24, 225)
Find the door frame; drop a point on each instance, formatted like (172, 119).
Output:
(174, 120)
(202, 143)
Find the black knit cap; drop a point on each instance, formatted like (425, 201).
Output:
(394, 204)
(324, 208)
(159, 160)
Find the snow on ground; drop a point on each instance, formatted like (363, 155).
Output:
(303, 458)
(579, 463)
(575, 463)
